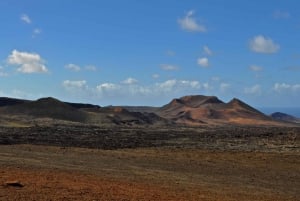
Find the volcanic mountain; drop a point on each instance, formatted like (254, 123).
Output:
(189, 110)
(53, 109)
(285, 117)
(45, 108)
(200, 109)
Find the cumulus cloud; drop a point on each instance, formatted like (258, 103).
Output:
(77, 84)
(25, 18)
(255, 68)
(107, 87)
(77, 68)
(254, 90)
(122, 90)
(283, 87)
(203, 62)
(189, 23)
(73, 67)
(207, 51)
(261, 44)
(27, 62)
(207, 86)
(130, 81)
(174, 84)
(157, 89)
(168, 67)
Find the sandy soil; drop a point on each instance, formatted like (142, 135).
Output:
(54, 173)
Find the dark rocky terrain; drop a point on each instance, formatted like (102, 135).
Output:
(285, 117)
(216, 138)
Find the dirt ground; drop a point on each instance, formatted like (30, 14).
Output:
(56, 173)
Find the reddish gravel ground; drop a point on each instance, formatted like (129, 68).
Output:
(53, 173)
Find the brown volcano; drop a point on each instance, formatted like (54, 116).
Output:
(209, 109)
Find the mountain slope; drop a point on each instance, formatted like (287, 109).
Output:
(54, 109)
(285, 117)
(209, 109)
(5, 101)
(46, 108)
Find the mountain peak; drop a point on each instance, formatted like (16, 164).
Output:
(198, 100)
(235, 101)
(48, 99)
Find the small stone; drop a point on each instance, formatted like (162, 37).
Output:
(14, 184)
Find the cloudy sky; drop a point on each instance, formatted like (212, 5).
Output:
(140, 52)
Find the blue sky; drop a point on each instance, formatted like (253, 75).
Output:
(139, 52)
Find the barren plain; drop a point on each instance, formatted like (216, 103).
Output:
(150, 163)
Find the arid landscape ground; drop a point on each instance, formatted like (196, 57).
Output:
(194, 148)
(217, 163)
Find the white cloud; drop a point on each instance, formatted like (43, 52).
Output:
(90, 68)
(130, 81)
(108, 88)
(155, 76)
(25, 18)
(282, 87)
(73, 67)
(207, 51)
(175, 85)
(255, 68)
(254, 90)
(261, 44)
(157, 89)
(203, 62)
(189, 23)
(36, 32)
(27, 62)
(77, 84)
(121, 91)
(168, 67)
(281, 14)
(207, 86)
(224, 87)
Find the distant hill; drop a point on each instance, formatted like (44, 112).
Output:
(74, 112)
(5, 101)
(210, 110)
(189, 110)
(142, 109)
(284, 117)
(46, 108)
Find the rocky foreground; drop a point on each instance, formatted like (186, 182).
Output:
(80, 162)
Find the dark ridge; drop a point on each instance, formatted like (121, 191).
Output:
(5, 101)
(83, 105)
(284, 117)
(47, 108)
(142, 109)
